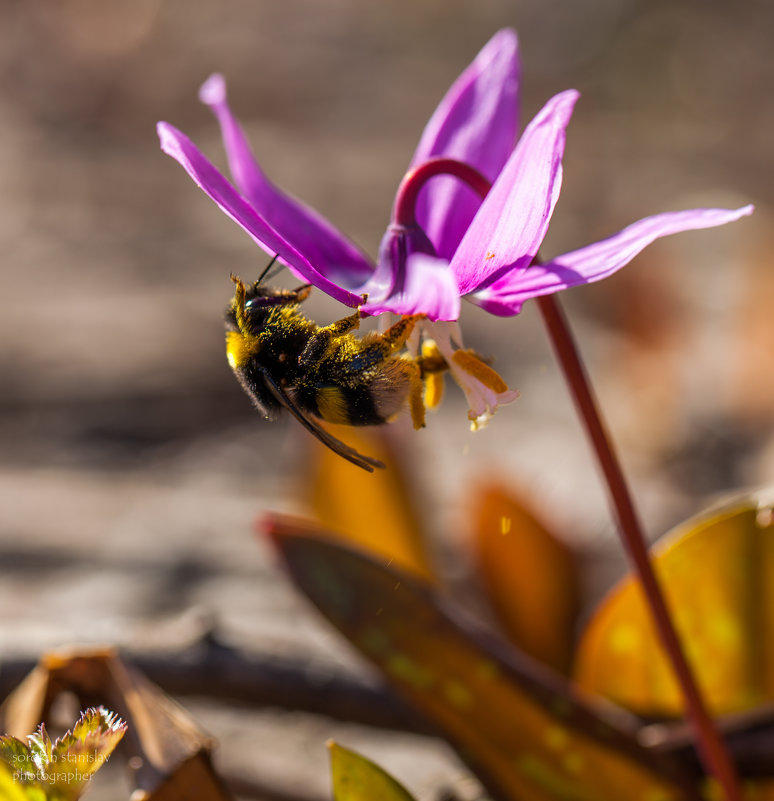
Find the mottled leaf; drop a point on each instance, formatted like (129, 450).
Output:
(528, 575)
(356, 778)
(717, 571)
(520, 728)
(373, 510)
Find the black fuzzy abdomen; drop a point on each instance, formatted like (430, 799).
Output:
(337, 403)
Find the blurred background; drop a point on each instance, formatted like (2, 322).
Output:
(131, 463)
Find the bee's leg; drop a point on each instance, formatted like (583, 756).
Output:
(319, 341)
(416, 396)
(280, 297)
(394, 338)
(381, 346)
(300, 294)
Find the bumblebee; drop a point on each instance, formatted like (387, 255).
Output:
(284, 360)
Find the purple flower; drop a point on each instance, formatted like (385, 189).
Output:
(455, 245)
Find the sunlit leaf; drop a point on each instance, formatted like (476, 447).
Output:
(518, 726)
(373, 510)
(717, 571)
(528, 574)
(89, 745)
(61, 770)
(17, 754)
(13, 789)
(356, 778)
(168, 753)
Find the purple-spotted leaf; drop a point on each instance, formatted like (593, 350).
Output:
(717, 572)
(356, 778)
(528, 574)
(521, 729)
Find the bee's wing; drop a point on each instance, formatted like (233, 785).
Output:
(336, 445)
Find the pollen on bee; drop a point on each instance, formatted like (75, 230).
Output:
(239, 348)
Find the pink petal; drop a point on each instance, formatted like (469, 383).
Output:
(428, 288)
(505, 296)
(323, 245)
(207, 177)
(476, 122)
(513, 219)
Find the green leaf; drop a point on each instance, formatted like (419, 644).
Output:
(80, 753)
(16, 754)
(13, 788)
(356, 778)
(60, 771)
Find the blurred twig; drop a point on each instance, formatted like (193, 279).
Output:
(749, 737)
(211, 669)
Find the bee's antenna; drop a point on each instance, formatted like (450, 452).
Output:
(267, 268)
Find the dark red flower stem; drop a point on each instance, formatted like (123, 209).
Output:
(711, 747)
(713, 751)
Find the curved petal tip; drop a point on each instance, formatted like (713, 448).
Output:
(505, 42)
(213, 90)
(168, 138)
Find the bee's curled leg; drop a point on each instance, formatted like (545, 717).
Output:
(319, 341)
(394, 338)
(416, 396)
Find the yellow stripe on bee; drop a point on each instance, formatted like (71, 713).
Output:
(240, 349)
(471, 364)
(332, 406)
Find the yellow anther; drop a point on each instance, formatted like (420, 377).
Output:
(433, 390)
(468, 361)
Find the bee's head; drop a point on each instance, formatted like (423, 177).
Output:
(248, 313)
(251, 304)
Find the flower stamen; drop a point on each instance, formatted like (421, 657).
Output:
(433, 366)
(468, 361)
